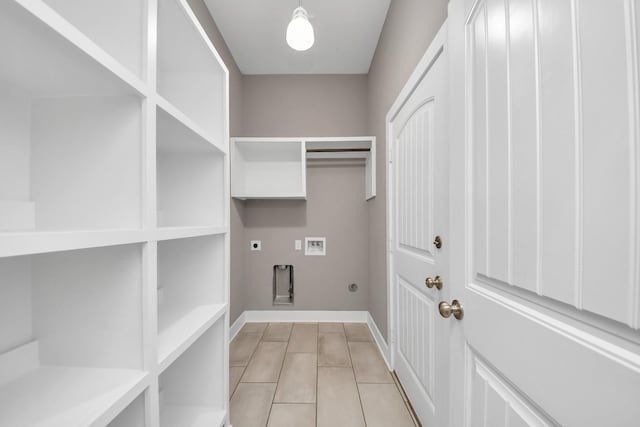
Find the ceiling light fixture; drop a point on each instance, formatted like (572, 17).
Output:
(299, 31)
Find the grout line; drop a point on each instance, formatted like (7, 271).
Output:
(273, 398)
(318, 369)
(355, 380)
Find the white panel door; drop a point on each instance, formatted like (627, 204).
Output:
(545, 212)
(418, 206)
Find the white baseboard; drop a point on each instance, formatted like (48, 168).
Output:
(237, 325)
(305, 316)
(382, 344)
(275, 316)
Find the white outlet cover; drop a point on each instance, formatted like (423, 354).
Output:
(315, 246)
(298, 245)
(256, 245)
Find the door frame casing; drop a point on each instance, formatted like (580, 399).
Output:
(433, 52)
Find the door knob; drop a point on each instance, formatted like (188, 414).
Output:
(437, 242)
(447, 310)
(437, 282)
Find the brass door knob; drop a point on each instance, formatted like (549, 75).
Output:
(437, 242)
(447, 310)
(437, 282)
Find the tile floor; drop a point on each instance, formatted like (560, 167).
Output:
(312, 374)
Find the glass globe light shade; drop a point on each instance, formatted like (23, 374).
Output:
(299, 31)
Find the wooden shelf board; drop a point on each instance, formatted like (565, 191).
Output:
(69, 396)
(56, 59)
(170, 233)
(182, 333)
(187, 123)
(194, 416)
(270, 197)
(36, 242)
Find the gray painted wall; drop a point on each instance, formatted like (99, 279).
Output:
(305, 105)
(335, 209)
(309, 105)
(235, 129)
(408, 30)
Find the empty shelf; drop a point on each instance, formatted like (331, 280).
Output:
(68, 396)
(180, 334)
(194, 416)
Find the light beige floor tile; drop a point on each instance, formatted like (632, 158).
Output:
(368, 364)
(358, 332)
(338, 400)
(298, 379)
(331, 328)
(383, 406)
(235, 373)
(292, 415)
(242, 347)
(251, 403)
(333, 350)
(304, 338)
(266, 363)
(253, 328)
(277, 332)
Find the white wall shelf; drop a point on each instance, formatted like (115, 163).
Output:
(183, 332)
(268, 168)
(190, 174)
(184, 74)
(191, 393)
(114, 191)
(54, 57)
(91, 396)
(95, 19)
(170, 233)
(132, 415)
(27, 243)
(275, 168)
(173, 127)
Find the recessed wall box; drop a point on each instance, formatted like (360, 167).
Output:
(315, 246)
(282, 284)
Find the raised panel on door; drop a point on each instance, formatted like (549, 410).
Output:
(415, 183)
(552, 292)
(494, 402)
(554, 141)
(416, 340)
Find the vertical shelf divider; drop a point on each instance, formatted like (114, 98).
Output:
(73, 85)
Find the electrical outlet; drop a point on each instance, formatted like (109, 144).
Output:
(298, 245)
(256, 245)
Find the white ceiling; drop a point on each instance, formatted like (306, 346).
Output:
(346, 34)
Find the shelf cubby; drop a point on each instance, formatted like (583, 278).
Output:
(70, 321)
(265, 168)
(77, 251)
(192, 389)
(132, 416)
(117, 26)
(190, 74)
(190, 177)
(191, 296)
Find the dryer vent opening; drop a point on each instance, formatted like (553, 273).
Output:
(282, 284)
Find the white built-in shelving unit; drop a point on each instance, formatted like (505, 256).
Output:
(276, 168)
(114, 216)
